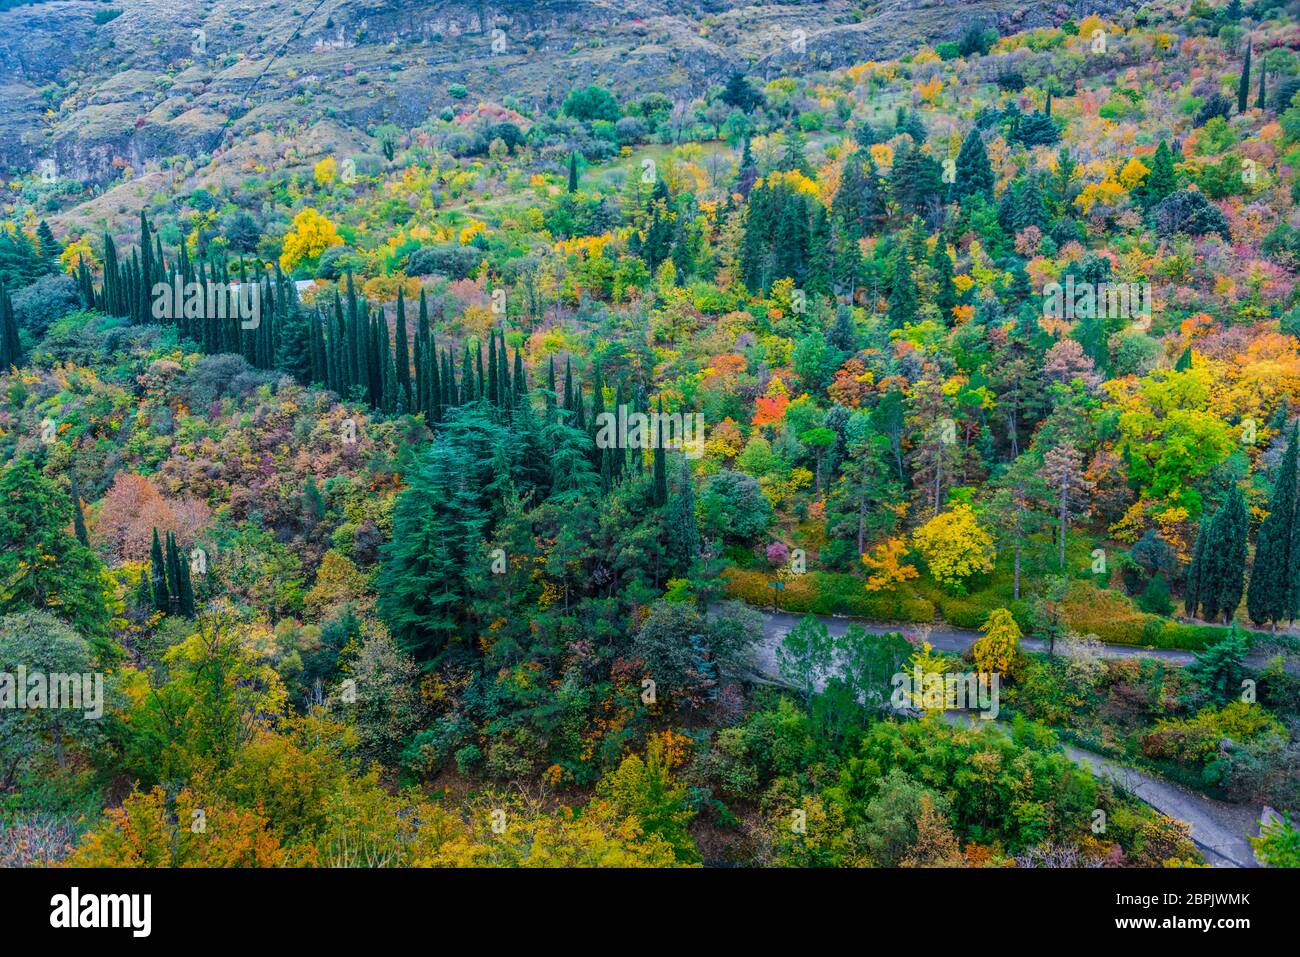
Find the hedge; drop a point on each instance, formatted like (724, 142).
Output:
(826, 593)
(1114, 619)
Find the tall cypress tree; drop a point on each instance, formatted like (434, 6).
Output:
(682, 528)
(78, 517)
(1195, 571)
(173, 575)
(402, 358)
(1269, 596)
(660, 464)
(1243, 83)
(158, 575)
(1224, 562)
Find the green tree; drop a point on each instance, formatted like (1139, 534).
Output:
(1269, 597)
(1243, 83)
(805, 656)
(974, 175)
(42, 565)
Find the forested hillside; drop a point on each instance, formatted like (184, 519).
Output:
(426, 488)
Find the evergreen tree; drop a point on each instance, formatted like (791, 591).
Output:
(1263, 83)
(1223, 570)
(683, 530)
(78, 516)
(1195, 571)
(974, 173)
(573, 171)
(1220, 668)
(660, 467)
(173, 558)
(1269, 596)
(158, 576)
(42, 565)
(403, 358)
(1243, 83)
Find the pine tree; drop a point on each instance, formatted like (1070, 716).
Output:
(974, 173)
(1268, 597)
(903, 299)
(50, 248)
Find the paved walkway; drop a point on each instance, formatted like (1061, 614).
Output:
(1217, 828)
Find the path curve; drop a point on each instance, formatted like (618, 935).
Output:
(1219, 829)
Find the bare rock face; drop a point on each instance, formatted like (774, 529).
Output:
(91, 91)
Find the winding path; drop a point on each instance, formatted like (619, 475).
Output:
(1217, 828)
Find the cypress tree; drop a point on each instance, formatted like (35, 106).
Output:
(1224, 561)
(403, 359)
(173, 575)
(1263, 82)
(1268, 597)
(682, 527)
(1192, 586)
(10, 345)
(520, 384)
(186, 588)
(78, 517)
(660, 464)
(573, 171)
(158, 575)
(1243, 84)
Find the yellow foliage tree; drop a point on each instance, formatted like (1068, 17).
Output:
(996, 649)
(310, 235)
(955, 546)
(888, 569)
(325, 171)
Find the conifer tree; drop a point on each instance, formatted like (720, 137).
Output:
(1223, 567)
(1243, 83)
(682, 527)
(1269, 597)
(974, 175)
(158, 575)
(402, 357)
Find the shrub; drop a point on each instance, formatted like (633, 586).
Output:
(826, 593)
